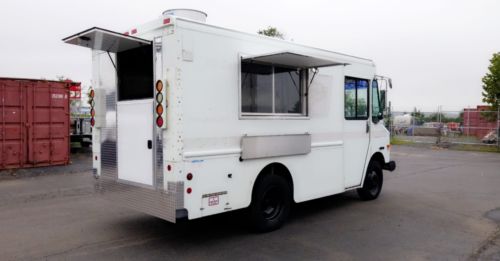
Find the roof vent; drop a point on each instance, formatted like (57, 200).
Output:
(191, 14)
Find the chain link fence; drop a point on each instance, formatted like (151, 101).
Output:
(469, 126)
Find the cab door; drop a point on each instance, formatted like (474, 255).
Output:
(379, 135)
(356, 129)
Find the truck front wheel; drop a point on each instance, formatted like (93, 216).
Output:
(373, 182)
(271, 201)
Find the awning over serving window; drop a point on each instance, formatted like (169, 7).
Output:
(293, 60)
(105, 40)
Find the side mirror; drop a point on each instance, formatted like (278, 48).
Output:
(377, 118)
(380, 116)
(383, 96)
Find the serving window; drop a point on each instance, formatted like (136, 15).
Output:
(272, 90)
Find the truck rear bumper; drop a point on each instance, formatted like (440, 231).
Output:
(390, 166)
(157, 202)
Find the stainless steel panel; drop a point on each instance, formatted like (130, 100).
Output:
(159, 203)
(292, 59)
(158, 158)
(254, 147)
(105, 40)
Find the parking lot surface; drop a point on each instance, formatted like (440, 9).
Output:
(438, 205)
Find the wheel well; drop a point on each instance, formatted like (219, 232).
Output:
(278, 169)
(378, 157)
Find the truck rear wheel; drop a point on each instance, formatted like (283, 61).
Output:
(271, 201)
(373, 182)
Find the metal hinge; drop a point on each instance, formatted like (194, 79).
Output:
(157, 43)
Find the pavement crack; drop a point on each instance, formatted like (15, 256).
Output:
(427, 171)
(103, 245)
(485, 245)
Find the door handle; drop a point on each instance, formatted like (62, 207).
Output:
(150, 144)
(367, 126)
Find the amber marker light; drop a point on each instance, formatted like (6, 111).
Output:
(159, 109)
(159, 86)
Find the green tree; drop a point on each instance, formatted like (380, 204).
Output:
(350, 104)
(418, 116)
(272, 32)
(433, 117)
(491, 86)
(62, 78)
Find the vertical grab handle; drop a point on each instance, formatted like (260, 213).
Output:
(150, 144)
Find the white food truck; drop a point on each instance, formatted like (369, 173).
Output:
(192, 120)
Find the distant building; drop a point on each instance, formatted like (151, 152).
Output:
(475, 124)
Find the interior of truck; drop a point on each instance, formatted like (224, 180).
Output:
(135, 73)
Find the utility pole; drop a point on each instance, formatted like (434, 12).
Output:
(498, 124)
(468, 120)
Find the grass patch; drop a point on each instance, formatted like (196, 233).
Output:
(471, 147)
(447, 145)
(397, 141)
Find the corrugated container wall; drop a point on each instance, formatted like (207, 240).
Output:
(34, 127)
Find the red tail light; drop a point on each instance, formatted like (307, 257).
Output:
(159, 121)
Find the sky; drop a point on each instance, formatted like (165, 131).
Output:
(436, 52)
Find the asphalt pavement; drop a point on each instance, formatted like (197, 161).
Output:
(437, 205)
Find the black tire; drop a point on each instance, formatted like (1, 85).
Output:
(374, 180)
(271, 202)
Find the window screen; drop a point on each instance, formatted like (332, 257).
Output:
(288, 91)
(271, 89)
(356, 99)
(135, 73)
(256, 88)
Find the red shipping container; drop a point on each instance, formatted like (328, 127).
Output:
(34, 126)
(477, 125)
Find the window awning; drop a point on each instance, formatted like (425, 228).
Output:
(105, 40)
(292, 60)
